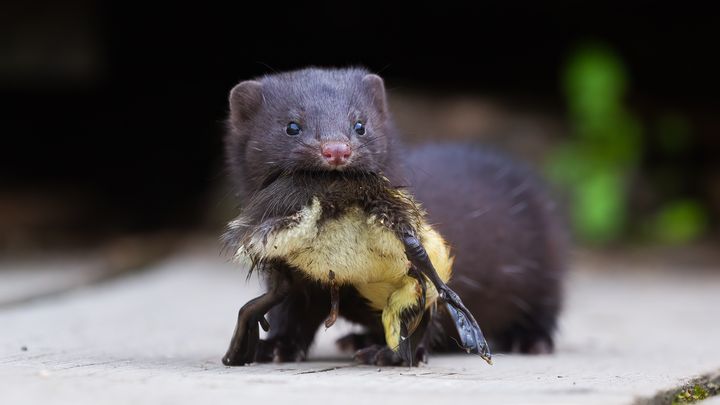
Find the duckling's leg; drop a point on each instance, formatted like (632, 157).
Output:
(402, 316)
(244, 343)
(471, 337)
(411, 350)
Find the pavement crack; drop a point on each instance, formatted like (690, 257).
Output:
(100, 363)
(322, 370)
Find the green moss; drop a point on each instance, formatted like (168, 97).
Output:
(690, 395)
(696, 390)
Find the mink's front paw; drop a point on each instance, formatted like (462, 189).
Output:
(280, 350)
(378, 355)
(354, 342)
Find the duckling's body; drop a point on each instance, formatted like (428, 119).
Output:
(346, 235)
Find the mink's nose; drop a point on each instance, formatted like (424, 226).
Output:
(336, 153)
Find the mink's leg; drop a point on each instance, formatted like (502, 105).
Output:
(293, 323)
(353, 342)
(532, 333)
(244, 343)
(355, 308)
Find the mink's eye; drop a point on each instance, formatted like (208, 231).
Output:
(359, 128)
(292, 129)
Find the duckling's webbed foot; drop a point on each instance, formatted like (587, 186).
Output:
(471, 337)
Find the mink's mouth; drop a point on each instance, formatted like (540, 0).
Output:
(318, 173)
(328, 167)
(322, 171)
(344, 172)
(351, 165)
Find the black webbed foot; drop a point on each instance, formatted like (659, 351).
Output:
(471, 337)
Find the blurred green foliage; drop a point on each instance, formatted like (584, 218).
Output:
(678, 222)
(600, 161)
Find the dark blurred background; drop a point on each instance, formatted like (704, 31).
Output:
(113, 113)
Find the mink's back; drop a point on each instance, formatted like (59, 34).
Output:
(504, 231)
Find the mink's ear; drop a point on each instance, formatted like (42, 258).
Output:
(375, 87)
(245, 99)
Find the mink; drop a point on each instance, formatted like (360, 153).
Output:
(497, 218)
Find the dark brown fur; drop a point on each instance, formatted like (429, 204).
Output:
(506, 234)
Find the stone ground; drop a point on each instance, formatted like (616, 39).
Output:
(156, 337)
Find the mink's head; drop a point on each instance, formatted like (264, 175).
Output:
(310, 120)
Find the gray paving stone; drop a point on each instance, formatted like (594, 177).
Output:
(157, 337)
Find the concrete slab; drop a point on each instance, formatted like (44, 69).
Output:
(157, 337)
(26, 277)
